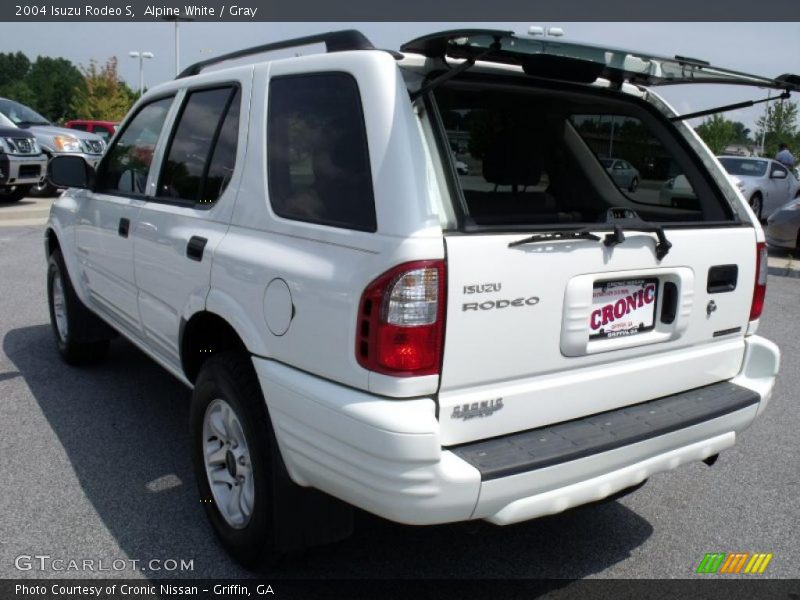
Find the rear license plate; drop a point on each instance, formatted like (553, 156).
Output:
(622, 308)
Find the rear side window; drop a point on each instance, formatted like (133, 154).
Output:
(317, 154)
(79, 126)
(127, 163)
(202, 153)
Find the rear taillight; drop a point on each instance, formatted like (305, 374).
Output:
(401, 320)
(760, 288)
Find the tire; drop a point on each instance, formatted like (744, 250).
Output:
(283, 517)
(14, 193)
(82, 338)
(227, 381)
(756, 203)
(634, 184)
(43, 190)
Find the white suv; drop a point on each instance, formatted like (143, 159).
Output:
(364, 324)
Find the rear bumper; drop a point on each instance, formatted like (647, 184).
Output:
(386, 456)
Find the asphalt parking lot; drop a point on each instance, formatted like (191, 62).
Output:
(96, 466)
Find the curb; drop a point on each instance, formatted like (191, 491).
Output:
(784, 272)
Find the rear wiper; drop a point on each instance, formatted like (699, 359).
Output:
(556, 236)
(626, 219)
(618, 220)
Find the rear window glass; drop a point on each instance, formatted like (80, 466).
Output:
(549, 159)
(634, 159)
(740, 166)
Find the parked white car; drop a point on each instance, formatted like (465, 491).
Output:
(678, 192)
(766, 183)
(361, 325)
(624, 174)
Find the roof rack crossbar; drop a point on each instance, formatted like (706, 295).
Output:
(335, 41)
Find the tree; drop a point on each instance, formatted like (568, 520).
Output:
(14, 68)
(19, 91)
(780, 125)
(741, 134)
(103, 96)
(717, 132)
(53, 82)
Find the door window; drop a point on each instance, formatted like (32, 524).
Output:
(778, 169)
(127, 163)
(202, 153)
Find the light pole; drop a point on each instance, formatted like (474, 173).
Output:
(141, 56)
(176, 20)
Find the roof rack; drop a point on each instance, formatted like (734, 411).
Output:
(335, 41)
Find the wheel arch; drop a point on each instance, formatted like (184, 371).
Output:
(202, 336)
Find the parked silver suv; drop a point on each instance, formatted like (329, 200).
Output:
(53, 140)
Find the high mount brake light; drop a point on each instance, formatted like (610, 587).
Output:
(401, 320)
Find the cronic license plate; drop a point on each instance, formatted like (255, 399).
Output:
(622, 308)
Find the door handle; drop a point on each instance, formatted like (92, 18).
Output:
(195, 247)
(722, 278)
(124, 226)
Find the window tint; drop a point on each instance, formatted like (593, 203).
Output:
(187, 166)
(545, 158)
(778, 169)
(645, 160)
(318, 159)
(744, 166)
(127, 163)
(224, 157)
(79, 126)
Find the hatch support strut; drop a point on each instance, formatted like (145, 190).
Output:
(727, 107)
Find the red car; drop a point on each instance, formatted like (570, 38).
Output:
(105, 129)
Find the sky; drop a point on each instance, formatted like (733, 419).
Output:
(768, 49)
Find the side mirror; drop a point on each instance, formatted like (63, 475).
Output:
(776, 174)
(70, 171)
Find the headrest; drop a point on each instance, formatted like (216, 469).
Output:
(513, 158)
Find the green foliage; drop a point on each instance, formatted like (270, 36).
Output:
(53, 82)
(103, 96)
(19, 91)
(741, 134)
(13, 69)
(780, 124)
(717, 132)
(46, 85)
